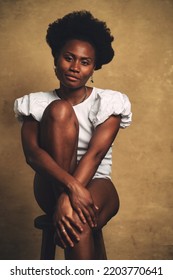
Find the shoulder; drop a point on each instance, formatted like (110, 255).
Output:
(108, 94)
(110, 102)
(41, 96)
(33, 104)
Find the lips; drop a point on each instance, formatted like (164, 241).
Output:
(72, 78)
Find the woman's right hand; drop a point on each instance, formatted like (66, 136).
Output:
(83, 204)
(67, 223)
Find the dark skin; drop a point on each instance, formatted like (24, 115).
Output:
(80, 205)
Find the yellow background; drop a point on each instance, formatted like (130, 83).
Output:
(142, 166)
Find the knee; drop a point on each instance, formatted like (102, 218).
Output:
(86, 233)
(59, 110)
(116, 207)
(108, 212)
(114, 203)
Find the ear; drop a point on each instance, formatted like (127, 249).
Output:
(55, 69)
(93, 71)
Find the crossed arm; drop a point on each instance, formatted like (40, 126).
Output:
(75, 184)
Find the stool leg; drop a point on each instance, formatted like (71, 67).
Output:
(48, 244)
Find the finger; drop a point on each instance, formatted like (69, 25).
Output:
(75, 223)
(96, 207)
(93, 210)
(69, 242)
(80, 214)
(72, 232)
(59, 241)
(65, 235)
(90, 217)
(94, 215)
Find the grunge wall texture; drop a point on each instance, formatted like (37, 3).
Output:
(142, 166)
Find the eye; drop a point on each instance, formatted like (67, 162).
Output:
(85, 62)
(68, 58)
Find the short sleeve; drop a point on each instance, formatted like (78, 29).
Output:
(33, 104)
(110, 103)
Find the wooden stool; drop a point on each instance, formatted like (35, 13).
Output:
(48, 246)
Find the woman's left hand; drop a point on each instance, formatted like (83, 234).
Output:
(82, 202)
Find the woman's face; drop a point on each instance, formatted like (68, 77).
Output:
(75, 63)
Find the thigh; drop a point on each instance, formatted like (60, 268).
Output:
(59, 131)
(106, 198)
(44, 194)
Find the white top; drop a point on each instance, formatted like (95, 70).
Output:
(94, 110)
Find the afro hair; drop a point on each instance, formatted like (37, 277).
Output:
(81, 25)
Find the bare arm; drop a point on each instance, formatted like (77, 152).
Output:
(100, 143)
(45, 165)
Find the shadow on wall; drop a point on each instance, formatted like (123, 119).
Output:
(19, 239)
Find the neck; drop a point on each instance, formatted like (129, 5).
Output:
(73, 96)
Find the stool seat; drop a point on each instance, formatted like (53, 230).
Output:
(48, 246)
(43, 221)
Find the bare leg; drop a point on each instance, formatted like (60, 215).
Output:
(100, 250)
(91, 245)
(106, 197)
(59, 134)
(59, 137)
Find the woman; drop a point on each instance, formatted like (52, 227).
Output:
(67, 136)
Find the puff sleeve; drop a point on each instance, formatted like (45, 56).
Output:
(33, 104)
(110, 103)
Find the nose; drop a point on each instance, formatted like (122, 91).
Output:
(75, 67)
